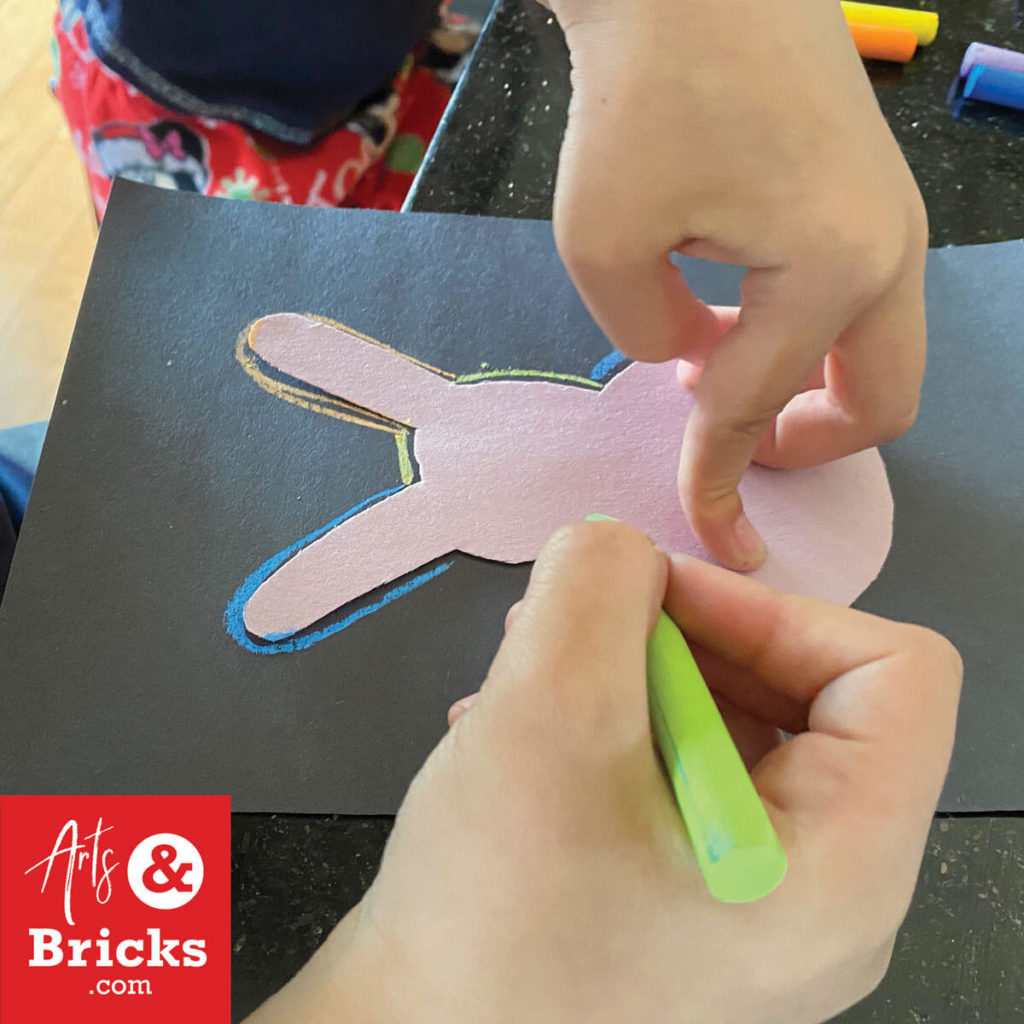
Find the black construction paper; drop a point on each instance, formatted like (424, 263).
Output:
(168, 475)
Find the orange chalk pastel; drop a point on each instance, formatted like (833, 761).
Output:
(883, 42)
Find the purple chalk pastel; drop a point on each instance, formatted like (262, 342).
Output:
(993, 85)
(991, 57)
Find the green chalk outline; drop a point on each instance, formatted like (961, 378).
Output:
(561, 378)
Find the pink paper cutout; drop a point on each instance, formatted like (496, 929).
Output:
(503, 463)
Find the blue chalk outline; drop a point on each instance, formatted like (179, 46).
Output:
(234, 621)
(606, 365)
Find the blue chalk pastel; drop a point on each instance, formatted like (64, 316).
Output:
(993, 85)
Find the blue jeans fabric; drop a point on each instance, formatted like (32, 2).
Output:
(19, 456)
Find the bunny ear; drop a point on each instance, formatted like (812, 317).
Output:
(383, 385)
(351, 557)
(305, 395)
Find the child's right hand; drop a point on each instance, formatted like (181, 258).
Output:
(539, 869)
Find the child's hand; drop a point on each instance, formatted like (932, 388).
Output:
(539, 869)
(748, 132)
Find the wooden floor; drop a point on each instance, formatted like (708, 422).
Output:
(47, 230)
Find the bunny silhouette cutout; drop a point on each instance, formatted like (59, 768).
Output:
(503, 461)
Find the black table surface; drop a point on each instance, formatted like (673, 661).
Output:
(959, 955)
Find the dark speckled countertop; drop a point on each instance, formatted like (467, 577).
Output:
(958, 958)
(499, 150)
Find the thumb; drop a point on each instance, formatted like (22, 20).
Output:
(574, 659)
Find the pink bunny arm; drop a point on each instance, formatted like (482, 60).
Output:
(393, 537)
(355, 368)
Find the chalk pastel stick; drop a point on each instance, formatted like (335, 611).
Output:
(991, 57)
(883, 42)
(993, 85)
(733, 838)
(924, 24)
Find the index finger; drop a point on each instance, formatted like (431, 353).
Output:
(881, 695)
(794, 645)
(781, 336)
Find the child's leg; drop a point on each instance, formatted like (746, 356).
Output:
(371, 161)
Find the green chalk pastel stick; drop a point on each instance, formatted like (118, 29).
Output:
(736, 846)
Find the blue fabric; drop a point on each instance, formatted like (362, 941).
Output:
(292, 70)
(19, 456)
(7, 538)
(24, 444)
(15, 483)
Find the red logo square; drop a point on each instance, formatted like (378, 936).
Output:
(115, 909)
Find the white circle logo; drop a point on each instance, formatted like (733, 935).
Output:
(165, 871)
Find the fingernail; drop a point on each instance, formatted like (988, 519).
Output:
(460, 707)
(512, 614)
(687, 374)
(752, 548)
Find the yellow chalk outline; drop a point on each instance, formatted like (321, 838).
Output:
(349, 412)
